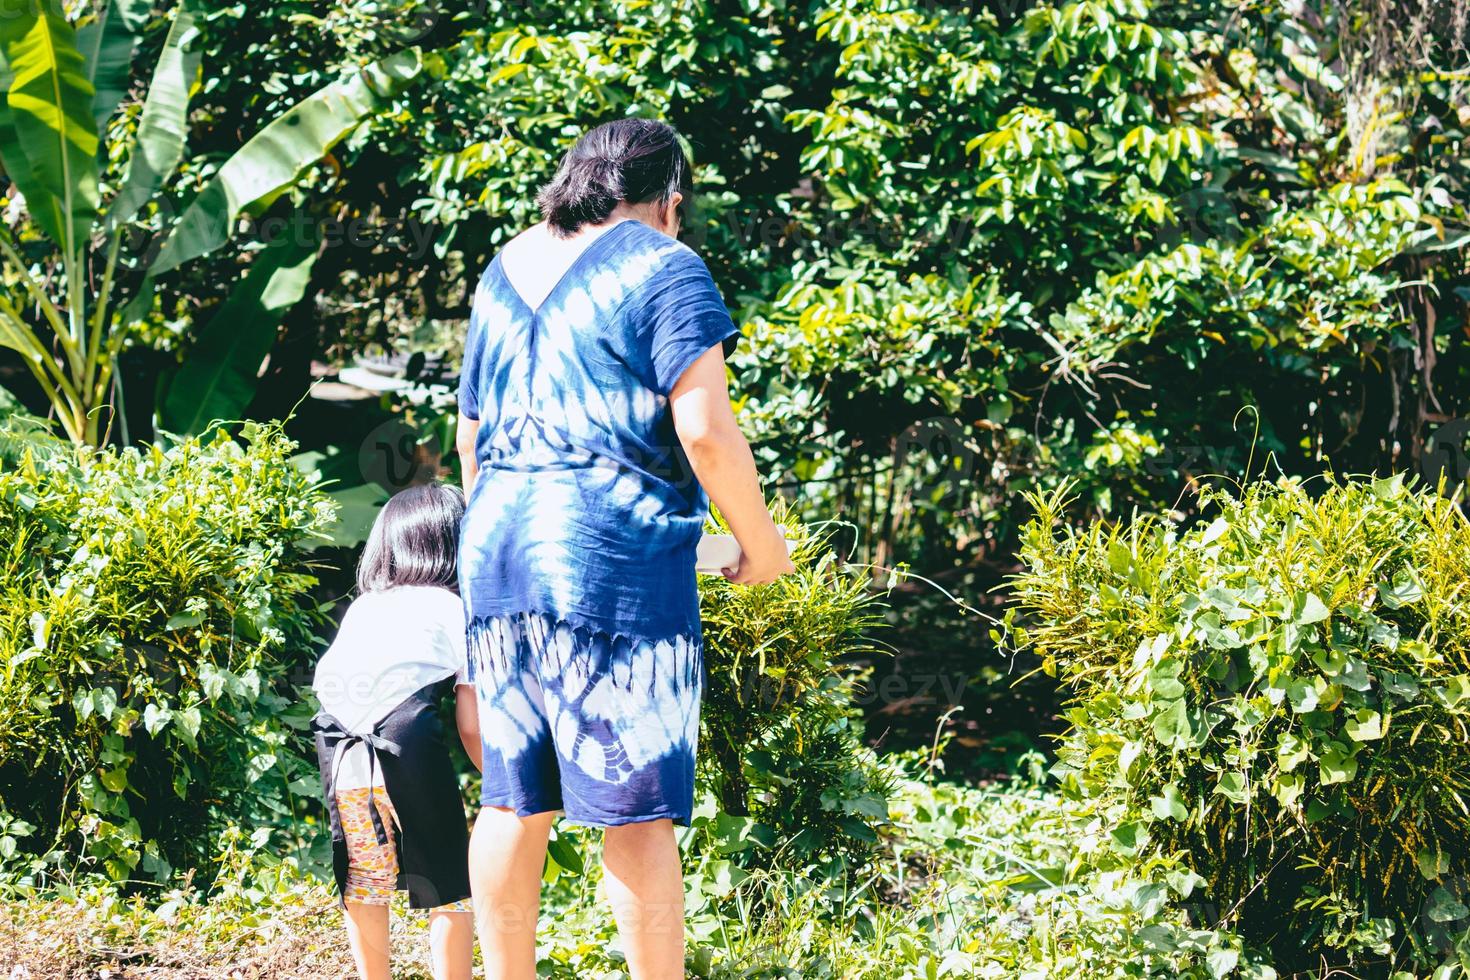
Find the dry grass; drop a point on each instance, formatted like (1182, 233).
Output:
(71, 939)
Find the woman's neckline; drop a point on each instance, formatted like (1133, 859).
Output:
(566, 273)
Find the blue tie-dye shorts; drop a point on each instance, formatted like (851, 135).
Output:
(601, 727)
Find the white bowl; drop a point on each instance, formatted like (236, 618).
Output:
(717, 552)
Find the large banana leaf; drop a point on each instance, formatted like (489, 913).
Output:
(107, 46)
(220, 376)
(49, 104)
(163, 126)
(12, 153)
(277, 156)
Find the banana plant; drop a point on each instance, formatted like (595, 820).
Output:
(59, 86)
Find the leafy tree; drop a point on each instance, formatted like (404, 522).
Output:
(57, 95)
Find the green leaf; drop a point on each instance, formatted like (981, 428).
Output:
(1319, 810)
(1169, 805)
(1291, 751)
(1432, 862)
(104, 702)
(1309, 609)
(1171, 726)
(155, 718)
(1354, 675)
(1150, 899)
(1330, 659)
(1366, 725)
(1402, 686)
(212, 680)
(183, 620)
(1222, 962)
(221, 374)
(1157, 167)
(1304, 693)
(1129, 838)
(83, 703)
(867, 805)
(107, 46)
(1444, 906)
(1165, 683)
(1120, 559)
(1404, 590)
(49, 108)
(164, 124)
(722, 877)
(1217, 529)
(187, 721)
(1127, 756)
(260, 764)
(563, 851)
(1175, 726)
(1337, 765)
(1388, 487)
(357, 509)
(276, 157)
(1232, 786)
(1288, 789)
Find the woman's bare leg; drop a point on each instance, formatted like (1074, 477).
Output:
(645, 883)
(507, 854)
(367, 934)
(452, 944)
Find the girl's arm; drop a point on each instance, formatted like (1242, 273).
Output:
(464, 442)
(467, 720)
(722, 461)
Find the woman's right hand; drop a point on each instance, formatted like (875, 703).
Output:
(763, 565)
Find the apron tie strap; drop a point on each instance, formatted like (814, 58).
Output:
(338, 738)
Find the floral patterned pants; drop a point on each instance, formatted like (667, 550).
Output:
(372, 868)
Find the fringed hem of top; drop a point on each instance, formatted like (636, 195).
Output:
(513, 641)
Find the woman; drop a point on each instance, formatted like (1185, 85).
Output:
(594, 415)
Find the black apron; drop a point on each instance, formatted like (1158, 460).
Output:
(432, 840)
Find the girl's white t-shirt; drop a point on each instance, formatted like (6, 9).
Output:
(391, 644)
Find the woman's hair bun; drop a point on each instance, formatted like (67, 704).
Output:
(632, 160)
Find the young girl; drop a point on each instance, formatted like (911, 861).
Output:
(397, 817)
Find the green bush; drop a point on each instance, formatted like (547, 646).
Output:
(816, 800)
(1282, 695)
(770, 650)
(790, 783)
(821, 793)
(151, 601)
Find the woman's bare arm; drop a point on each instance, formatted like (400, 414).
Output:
(725, 467)
(467, 720)
(464, 442)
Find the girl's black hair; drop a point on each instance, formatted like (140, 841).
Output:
(632, 160)
(415, 540)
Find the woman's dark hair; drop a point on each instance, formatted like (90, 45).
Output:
(415, 540)
(632, 160)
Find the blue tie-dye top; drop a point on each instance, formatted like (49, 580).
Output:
(585, 508)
